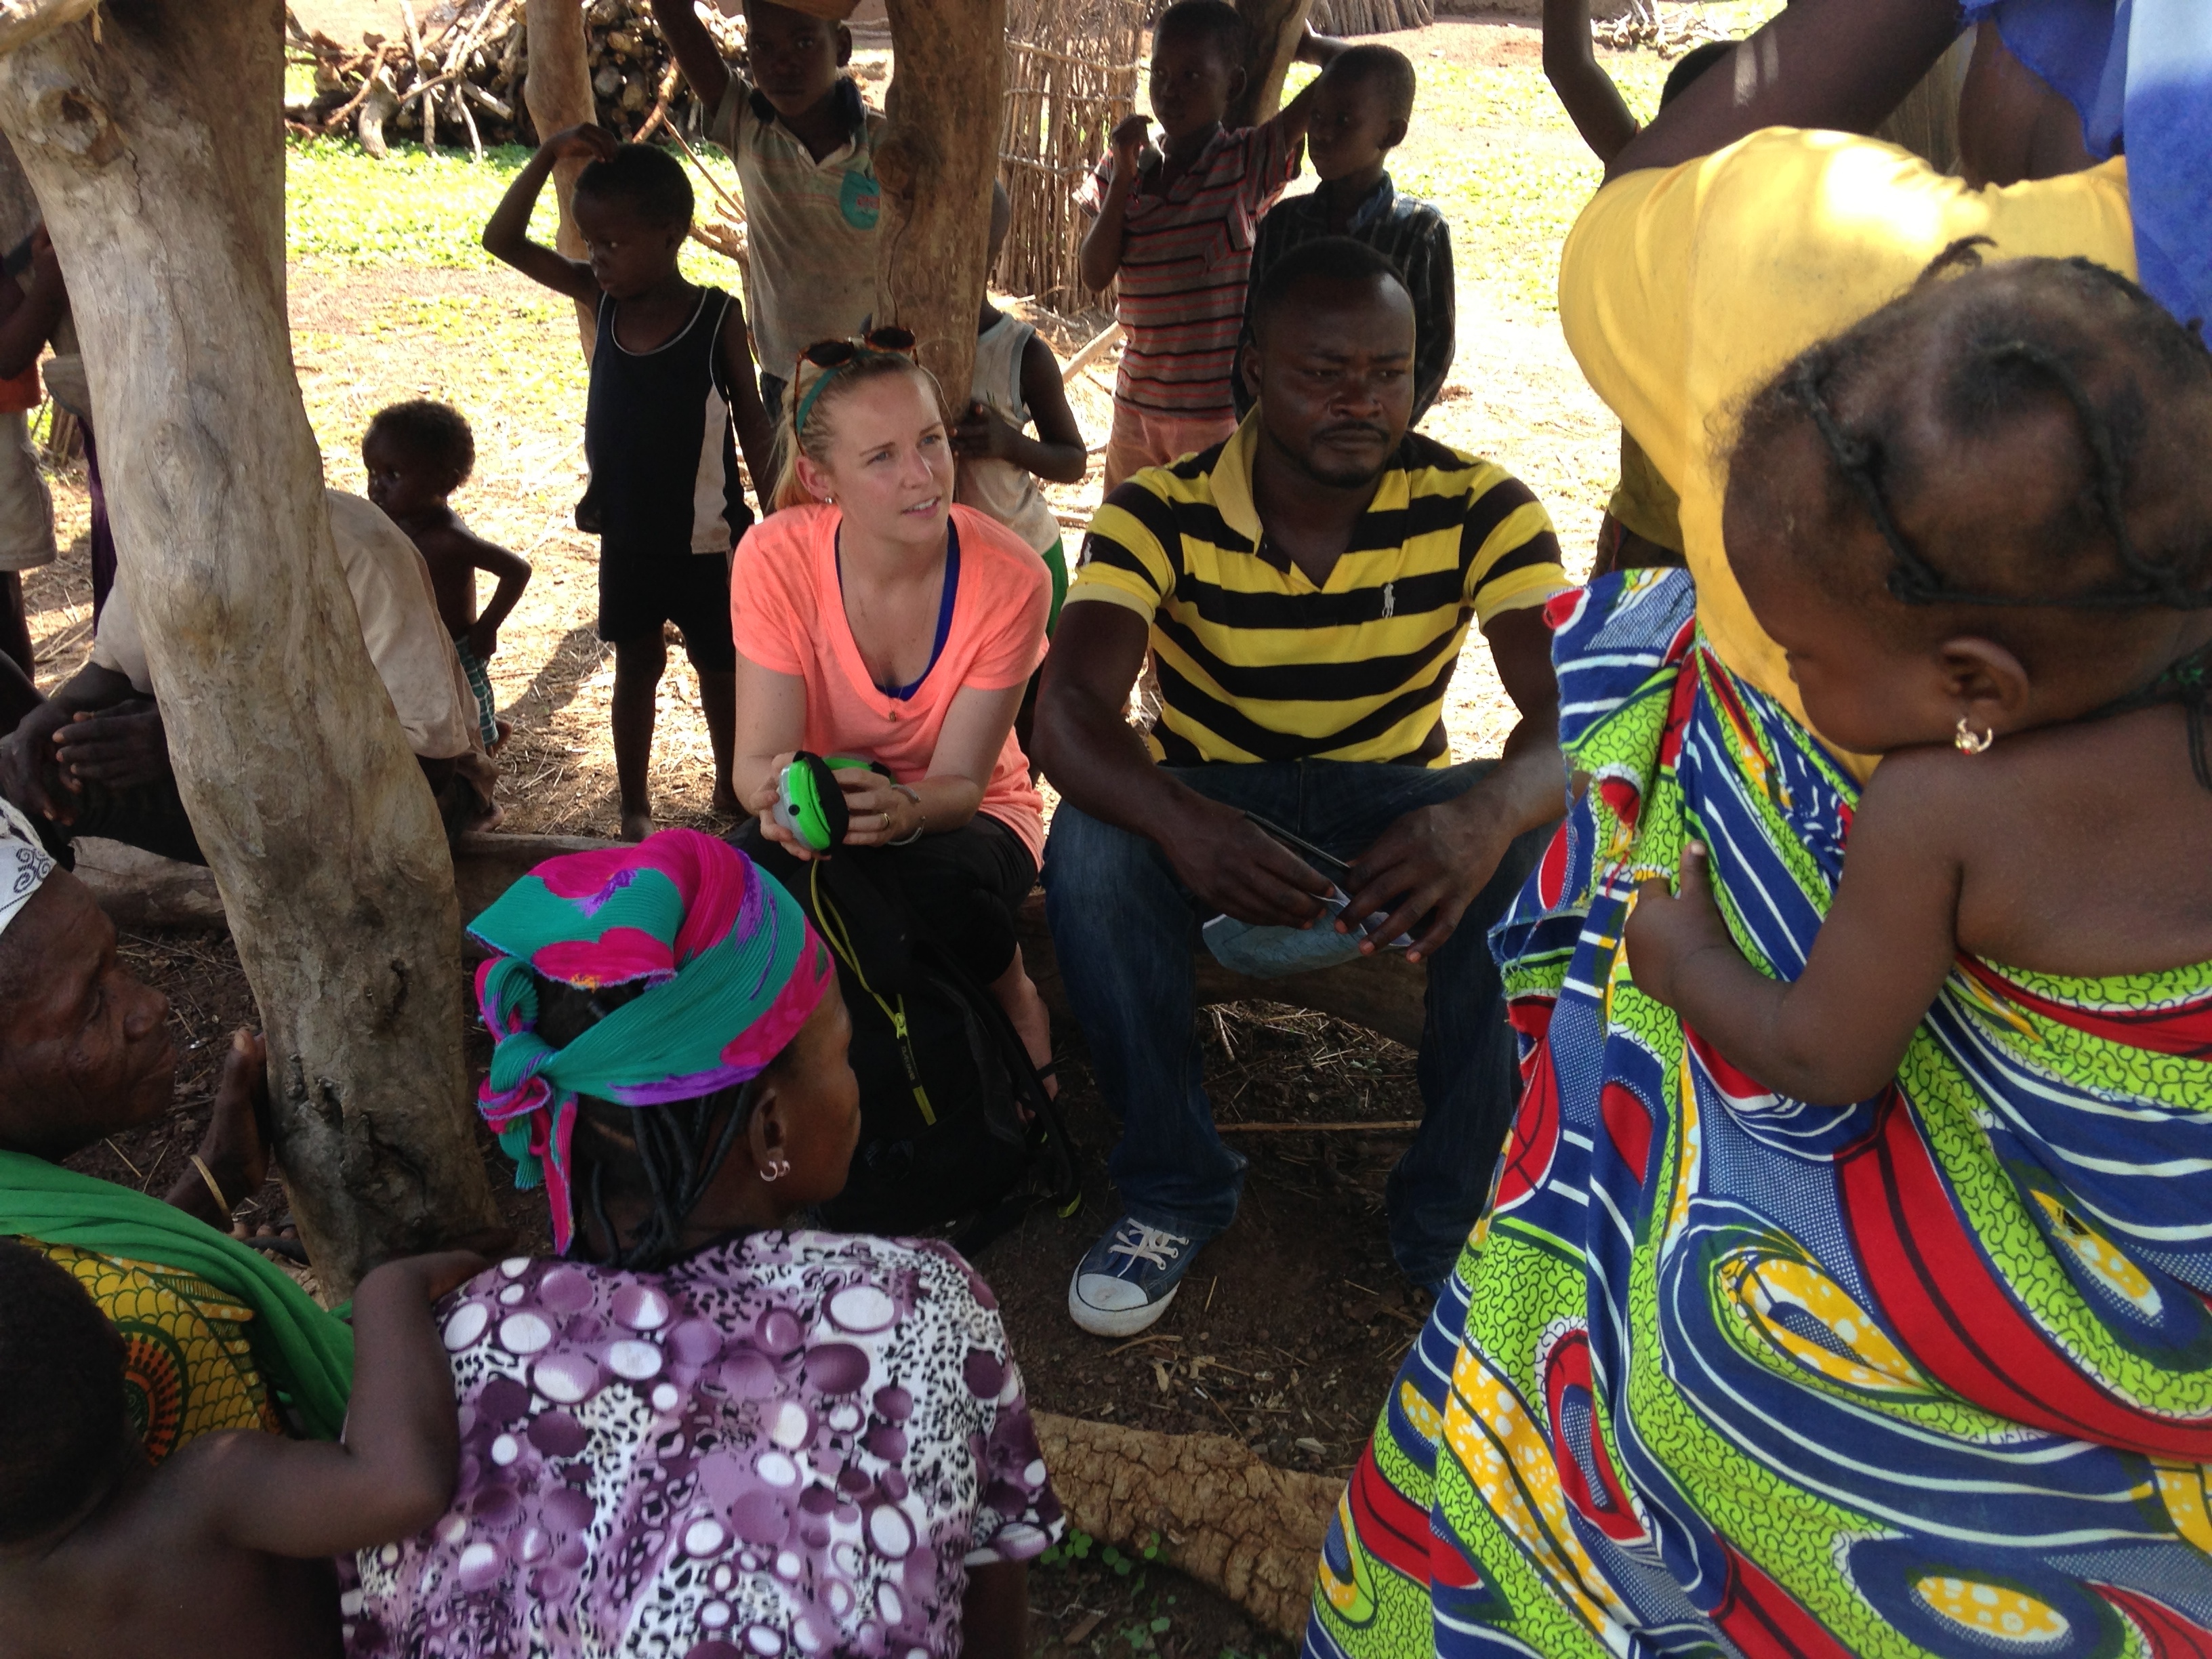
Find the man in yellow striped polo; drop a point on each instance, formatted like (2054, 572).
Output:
(1304, 587)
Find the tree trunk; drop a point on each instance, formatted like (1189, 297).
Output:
(1212, 1506)
(1275, 28)
(157, 154)
(558, 91)
(935, 164)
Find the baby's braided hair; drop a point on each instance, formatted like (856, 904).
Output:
(1997, 370)
(1969, 353)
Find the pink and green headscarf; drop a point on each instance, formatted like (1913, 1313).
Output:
(732, 970)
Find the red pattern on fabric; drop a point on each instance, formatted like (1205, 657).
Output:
(1959, 1321)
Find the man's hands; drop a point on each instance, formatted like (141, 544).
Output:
(1431, 863)
(30, 775)
(1665, 932)
(47, 760)
(484, 638)
(1234, 866)
(121, 748)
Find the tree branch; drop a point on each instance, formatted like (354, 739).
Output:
(22, 22)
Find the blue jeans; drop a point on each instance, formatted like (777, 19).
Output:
(1123, 928)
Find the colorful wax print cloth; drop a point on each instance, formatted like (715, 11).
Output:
(791, 1443)
(188, 1364)
(1725, 1373)
(148, 1261)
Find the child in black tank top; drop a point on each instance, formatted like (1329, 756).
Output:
(672, 377)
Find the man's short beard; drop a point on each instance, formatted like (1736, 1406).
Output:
(1358, 479)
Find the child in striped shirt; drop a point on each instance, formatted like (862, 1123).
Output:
(1176, 225)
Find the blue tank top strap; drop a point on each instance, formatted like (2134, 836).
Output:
(945, 605)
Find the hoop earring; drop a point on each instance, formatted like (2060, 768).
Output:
(775, 1169)
(1970, 742)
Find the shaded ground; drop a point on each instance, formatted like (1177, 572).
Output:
(1285, 1336)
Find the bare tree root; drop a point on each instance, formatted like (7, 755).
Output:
(1219, 1511)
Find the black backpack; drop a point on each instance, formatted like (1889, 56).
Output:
(943, 1074)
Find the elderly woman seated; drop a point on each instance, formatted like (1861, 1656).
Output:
(703, 1432)
(217, 1337)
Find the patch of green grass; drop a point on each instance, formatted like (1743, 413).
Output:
(342, 207)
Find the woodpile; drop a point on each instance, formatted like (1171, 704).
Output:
(1342, 17)
(456, 75)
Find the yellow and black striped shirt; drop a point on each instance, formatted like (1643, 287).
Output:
(1255, 662)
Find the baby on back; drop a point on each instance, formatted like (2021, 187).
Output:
(1980, 523)
(225, 1548)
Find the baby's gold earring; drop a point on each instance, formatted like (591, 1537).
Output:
(1970, 742)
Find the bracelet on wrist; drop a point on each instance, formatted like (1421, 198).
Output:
(221, 1201)
(920, 817)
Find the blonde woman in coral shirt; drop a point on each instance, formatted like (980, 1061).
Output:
(873, 618)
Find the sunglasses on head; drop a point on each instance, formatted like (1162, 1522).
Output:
(834, 354)
(826, 357)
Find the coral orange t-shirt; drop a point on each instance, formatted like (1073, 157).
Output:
(787, 612)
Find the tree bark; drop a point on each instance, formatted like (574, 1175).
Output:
(935, 165)
(1212, 1506)
(557, 90)
(158, 156)
(1274, 28)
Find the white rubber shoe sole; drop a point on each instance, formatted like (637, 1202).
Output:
(1108, 1321)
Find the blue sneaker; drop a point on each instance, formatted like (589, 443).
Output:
(1127, 1280)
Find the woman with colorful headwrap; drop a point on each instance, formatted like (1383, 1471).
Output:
(700, 1432)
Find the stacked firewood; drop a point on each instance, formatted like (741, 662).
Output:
(1370, 16)
(456, 75)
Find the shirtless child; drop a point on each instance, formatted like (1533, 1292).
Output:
(417, 454)
(225, 1549)
(1978, 522)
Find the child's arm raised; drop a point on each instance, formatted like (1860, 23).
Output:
(1841, 64)
(512, 572)
(1100, 257)
(507, 236)
(393, 1473)
(754, 423)
(1293, 119)
(1593, 103)
(1057, 454)
(696, 54)
(1836, 1033)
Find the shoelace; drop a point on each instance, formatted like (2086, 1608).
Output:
(1153, 1245)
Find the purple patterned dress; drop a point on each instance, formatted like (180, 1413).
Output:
(787, 1443)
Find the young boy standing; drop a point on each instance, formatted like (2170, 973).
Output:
(1361, 106)
(670, 374)
(417, 454)
(805, 151)
(1017, 381)
(1176, 225)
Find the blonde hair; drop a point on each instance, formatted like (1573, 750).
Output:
(814, 442)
